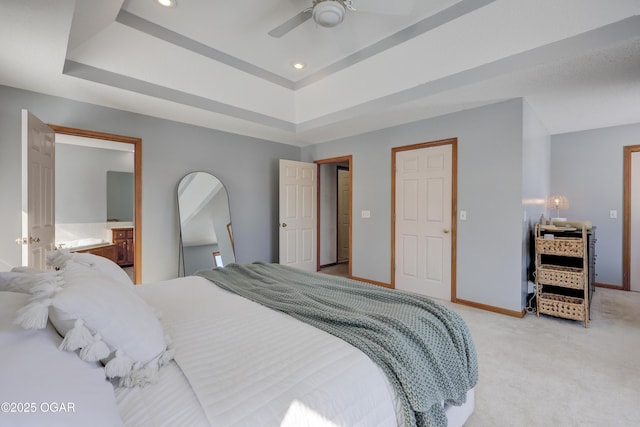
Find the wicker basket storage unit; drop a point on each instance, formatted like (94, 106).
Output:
(562, 290)
(568, 277)
(561, 246)
(561, 306)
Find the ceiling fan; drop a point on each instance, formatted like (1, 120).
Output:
(329, 13)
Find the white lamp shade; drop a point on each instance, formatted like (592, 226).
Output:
(558, 202)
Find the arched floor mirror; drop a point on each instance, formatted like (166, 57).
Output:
(206, 235)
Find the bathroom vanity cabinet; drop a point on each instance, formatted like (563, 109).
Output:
(107, 251)
(123, 240)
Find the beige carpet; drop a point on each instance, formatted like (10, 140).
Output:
(554, 372)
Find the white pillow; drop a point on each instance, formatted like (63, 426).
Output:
(25, 279)
(36, 374)
(104, 320)
(61, 257)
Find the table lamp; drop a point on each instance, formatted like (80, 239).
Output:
(557, 203)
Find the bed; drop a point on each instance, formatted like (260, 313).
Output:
(229, 361)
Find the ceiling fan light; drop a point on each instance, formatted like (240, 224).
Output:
(328, 13)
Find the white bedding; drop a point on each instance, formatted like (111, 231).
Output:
(168, 402)
(238, 363)
(43, 386)
(251, 366)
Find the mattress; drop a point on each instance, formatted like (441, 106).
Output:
(238, 363)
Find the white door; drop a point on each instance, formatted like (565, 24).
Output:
(423, 221)
(344, 219)
(38, 191)
(298, 214)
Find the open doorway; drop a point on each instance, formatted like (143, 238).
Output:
(112, 224)
(334, 215)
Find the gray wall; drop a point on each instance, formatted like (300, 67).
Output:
(588, 168)
(490, 153)
(503, 158)
(536, 149)
(81, 181)
(198, 258)
(169, 151)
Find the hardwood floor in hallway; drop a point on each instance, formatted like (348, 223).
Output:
(341, 269)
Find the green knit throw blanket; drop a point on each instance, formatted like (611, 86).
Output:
(424, 348)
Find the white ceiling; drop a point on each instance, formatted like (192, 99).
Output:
(212, 64)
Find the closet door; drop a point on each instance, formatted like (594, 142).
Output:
(423, 224)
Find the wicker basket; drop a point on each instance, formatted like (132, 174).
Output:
(567, 277)
(561, 306)
(565, 246)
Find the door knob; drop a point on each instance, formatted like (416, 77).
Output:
(446, 231)
(284, 224)
(27, 241)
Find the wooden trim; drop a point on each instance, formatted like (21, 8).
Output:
(610, 286)
(137, 177)
(95, 135)
(454, 205)
(339, 159)
(230, 233)
(373, 282)
(393, 220)
(491, 308)
(626, 219)
(349, 159)
(318, 188)
(454, 219)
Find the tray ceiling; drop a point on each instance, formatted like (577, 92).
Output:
(213, 64)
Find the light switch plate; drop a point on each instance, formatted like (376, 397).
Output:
(613, 214)
(366, 214)
(463, 215)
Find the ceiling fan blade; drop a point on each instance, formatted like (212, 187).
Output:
(384, 7)
(292, 23)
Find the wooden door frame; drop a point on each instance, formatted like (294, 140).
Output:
(342, 159)
(454, 204)
(626, 227)
(137, 177)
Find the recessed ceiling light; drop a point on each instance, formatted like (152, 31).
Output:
(167, 3)
(298, 65)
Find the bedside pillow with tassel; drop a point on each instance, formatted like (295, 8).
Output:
(102, 320)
